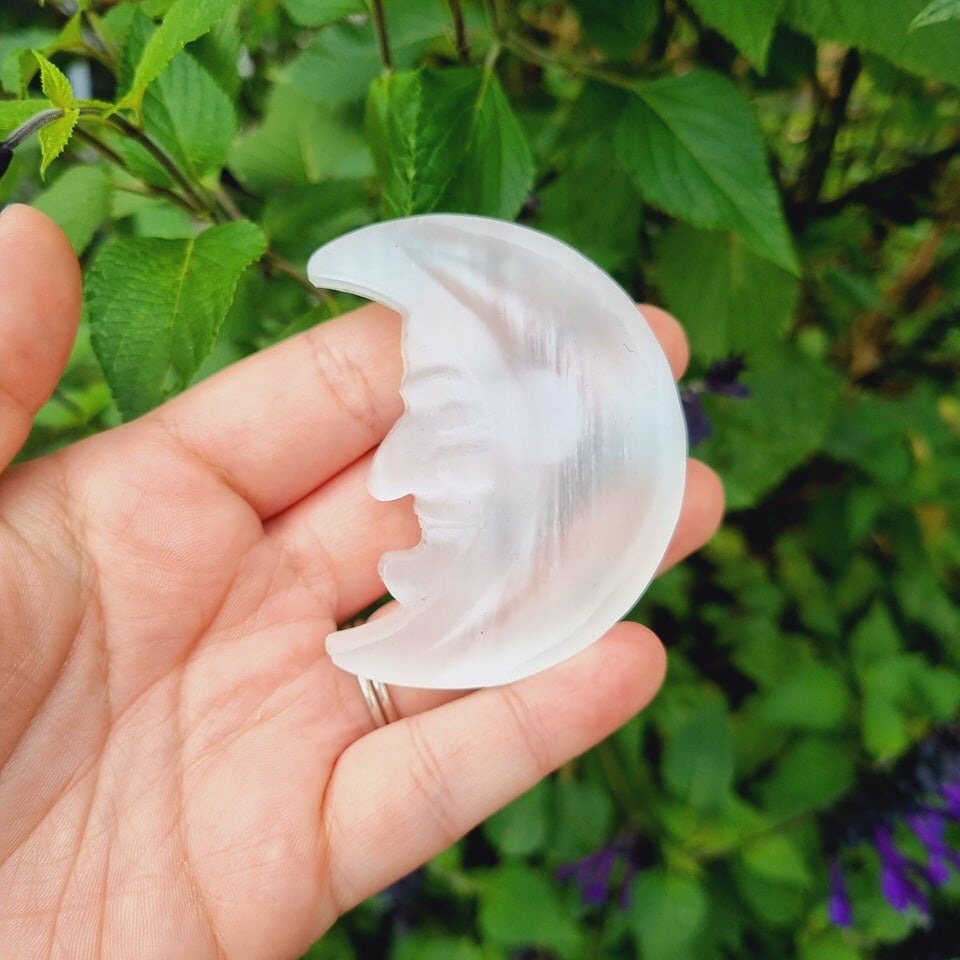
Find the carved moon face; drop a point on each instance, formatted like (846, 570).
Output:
(542, 440)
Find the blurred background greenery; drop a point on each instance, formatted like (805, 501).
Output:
(783, 175)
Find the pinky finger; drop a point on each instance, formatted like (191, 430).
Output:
(408, 791)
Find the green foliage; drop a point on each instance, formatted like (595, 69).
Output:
(693, 147)
(186, 113)
(883, 28)
(793, 401)
(698, 763)
(78, 201)
(318, 13)
(520, 907)
(782, 175)
(748, 24)
(186, 20)
(156, 308)
(55, 136)
(447, 140)
(669, 913)
(938, 11)
(736, 302)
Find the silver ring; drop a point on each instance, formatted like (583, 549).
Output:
(378, 700)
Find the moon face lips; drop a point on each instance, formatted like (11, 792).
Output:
(542, 440)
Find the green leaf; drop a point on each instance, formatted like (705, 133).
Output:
(747, 24)
(583, 818)
(813, 772)
(938, 11)
(569, 209)
(138, 33)
(152, 216)
(759, 439)
(55, 136)
(156, 307)
(520, 828)
(693, 147)
(871, 432)
(56, 87)
(874, 639)
(733, 302)
(318, 13)
(777, 857)
(342, 60)
(301, 141)
(430, 946)
(668, 913)
(618, 27)
(219, 53)
(13, 45)
(70, 39)
(698, 762)
(335, 945)
(883, 28)
(776, 904)
(78, 202)
(519, 907)
(939, 688)
(301, 218)
(814, 697)
(885, 731)
(188, 114)
(830, 945)
(448, 140)
(185, 21)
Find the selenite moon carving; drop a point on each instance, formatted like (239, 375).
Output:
(543, 442)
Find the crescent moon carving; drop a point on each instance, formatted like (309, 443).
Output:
(542, 440)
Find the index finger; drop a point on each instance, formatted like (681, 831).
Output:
(282, 422)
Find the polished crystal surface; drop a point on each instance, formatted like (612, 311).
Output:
(542, 440)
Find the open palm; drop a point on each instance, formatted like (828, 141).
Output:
(183, 771)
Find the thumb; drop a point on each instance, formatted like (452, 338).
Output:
(39, 312)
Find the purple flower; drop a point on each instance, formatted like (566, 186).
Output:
(929, 829)
(839, 908)
(951, 799)
(895, 875)
(723, 378)
(720, 379)
(594, 874)
(699, 426)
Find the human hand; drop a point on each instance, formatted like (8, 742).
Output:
(183, 771)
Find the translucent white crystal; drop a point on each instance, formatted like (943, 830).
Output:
(543, 442)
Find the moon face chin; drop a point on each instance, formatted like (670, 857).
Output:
(542, 440)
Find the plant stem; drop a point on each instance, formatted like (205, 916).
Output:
(26, 130)
(463, 50)
(537, 55)
(492, 15)
(194, 202)
(823, 136)
(110, 154)
(201, 206)
(610, 762)
(380, 25)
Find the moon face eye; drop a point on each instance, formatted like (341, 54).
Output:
(466, 468)
(542, 439)
(454, 417)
